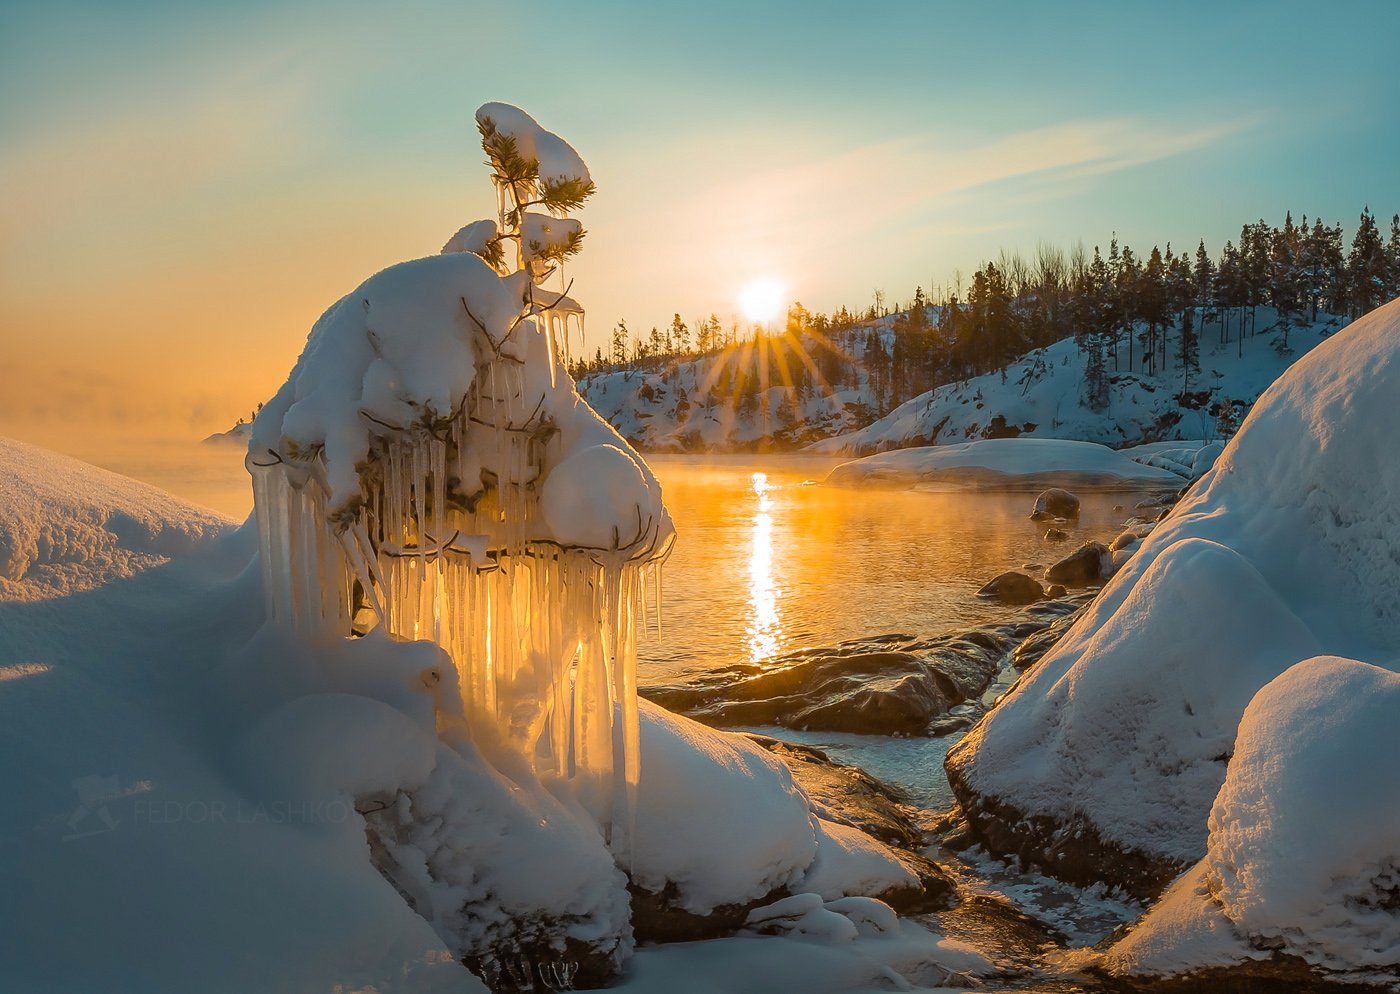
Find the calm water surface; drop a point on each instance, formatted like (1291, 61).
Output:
(765, 561)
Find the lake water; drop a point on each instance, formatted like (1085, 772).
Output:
(765, 560)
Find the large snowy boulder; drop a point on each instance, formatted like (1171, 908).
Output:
(1105, 759)
(1303, 858)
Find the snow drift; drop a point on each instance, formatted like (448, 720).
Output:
(1118, 741)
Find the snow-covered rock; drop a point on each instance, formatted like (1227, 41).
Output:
(719, 819)
(1302, 857)
(1004, 464)
(1105, 759)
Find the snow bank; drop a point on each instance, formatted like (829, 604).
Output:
(66, 526)
(1004, 463)
(849, 862)
(1303, 855)
(1284, 550)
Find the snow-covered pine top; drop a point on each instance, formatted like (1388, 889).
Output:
(400, 348)
(557, 158)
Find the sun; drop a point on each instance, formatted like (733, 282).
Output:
(761, 300)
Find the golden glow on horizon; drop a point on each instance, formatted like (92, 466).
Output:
(765, 627)
(761, 300)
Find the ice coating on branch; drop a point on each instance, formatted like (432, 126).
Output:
(557, 158)
(473, 238)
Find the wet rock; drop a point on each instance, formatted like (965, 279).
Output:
(1033, 649)
(1071, 850)
(1130, 536)
(1089, 564)
(1056, 590)
(656, 917)
(1013, 588)
(1280, 973)
(1055, 503)
(1056, 535)
(871, 687)
(847, 795)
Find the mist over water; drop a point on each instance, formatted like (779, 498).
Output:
(765, 560)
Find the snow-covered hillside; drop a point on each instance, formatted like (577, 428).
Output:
(1043, 395)
(690, 405)
(693, 405)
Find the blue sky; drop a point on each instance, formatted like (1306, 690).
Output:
(161, 156)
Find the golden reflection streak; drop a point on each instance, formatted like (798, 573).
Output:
(765, 626)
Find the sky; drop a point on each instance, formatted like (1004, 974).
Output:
(186, 186)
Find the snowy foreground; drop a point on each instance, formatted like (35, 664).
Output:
(386, 735)
(1227, 705)
(187, 788)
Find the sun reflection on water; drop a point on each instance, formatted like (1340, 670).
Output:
(765, 626)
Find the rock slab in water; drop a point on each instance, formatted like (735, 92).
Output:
(1055, 503)
(894, 685)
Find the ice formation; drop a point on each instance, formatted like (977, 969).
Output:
(428, 468)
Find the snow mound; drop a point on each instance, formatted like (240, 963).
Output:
(1303, 856)
(851, 863)
(1004, 463)
(66, 526)
(1284, 550)
(1303, 845)
(717, 816)
(178, 786)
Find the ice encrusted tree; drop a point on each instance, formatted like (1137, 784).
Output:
(429, 468)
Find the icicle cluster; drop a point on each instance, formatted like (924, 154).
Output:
(446, 539)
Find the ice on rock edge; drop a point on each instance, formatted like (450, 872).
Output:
(405, 476)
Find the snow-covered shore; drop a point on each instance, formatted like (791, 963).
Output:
(1005, 464)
